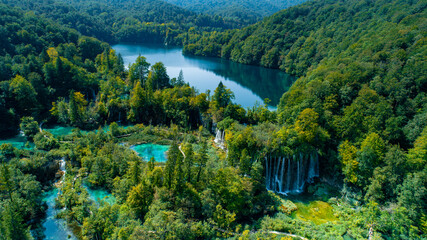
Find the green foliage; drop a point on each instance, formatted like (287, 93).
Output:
(139, 70)
(158, 77)
(45, 141)
(29, 127)
(139, 199)
(24, 95)
(221, 99)
(412, 194)
(125, 21)
(246, 11)
(359, 104)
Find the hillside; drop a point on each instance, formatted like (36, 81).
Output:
(247, 10)
(125, 21)
(362, 68)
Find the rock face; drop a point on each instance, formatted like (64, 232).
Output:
(290, 174)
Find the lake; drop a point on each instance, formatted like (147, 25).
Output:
(250, 84)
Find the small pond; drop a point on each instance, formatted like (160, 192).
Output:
(19, 141)
(146, 151)
(98, 195)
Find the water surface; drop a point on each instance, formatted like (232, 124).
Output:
(19, 141)
(250, 84)
(98, 195)
(146, 151)
(55, 228)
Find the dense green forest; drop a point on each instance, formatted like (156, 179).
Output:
(249, 11)
(126, 21)
(359, 107)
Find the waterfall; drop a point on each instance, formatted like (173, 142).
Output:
(281, 177)
(290, 174)
(220, 138)
(62, 170)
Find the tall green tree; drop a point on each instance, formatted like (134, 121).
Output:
(188, 161)
(159, 76)
(24, 95)
(138, 71)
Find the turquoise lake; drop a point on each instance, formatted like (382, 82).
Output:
(146, 151)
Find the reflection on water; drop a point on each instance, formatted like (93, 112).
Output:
(146, 151)
(250, 84)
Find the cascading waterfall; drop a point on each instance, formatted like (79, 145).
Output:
(62, 170)
(290, 174)
(220, 138)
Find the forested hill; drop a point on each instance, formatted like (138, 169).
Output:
(298, 38)
(128, 21)
(363, 79)
(41, 61)
(247, 10)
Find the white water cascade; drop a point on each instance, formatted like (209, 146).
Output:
(220, 138)
(62, 170)
(290, 174)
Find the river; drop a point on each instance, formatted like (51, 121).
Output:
(250, 84)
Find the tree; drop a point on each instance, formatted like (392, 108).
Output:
(159, 76)
(134, 173)
(114, 129)
(417, 156)
(77, 107)
(347, 154)
(139, 198)
(222, 96)
(24, 94)
(306, 125)
(174, 155)
(137, 104)
(188, 161)
(370, 156)
(139, 70)
(179, 82)
(245, 162)
(223, 218)
(220, 100)
(202, 158)
(29, 127)
(413, 194)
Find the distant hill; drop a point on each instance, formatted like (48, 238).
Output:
(247, 10)
(124, 20)
(340, 50)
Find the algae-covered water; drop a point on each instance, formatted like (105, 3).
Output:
(318, 212)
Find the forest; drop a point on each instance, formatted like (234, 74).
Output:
(350, 134)
(248, 11)
(126, 21)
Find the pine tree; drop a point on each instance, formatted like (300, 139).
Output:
(188, 161)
